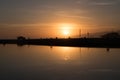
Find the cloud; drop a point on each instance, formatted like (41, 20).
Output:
(78, 2)
(103, 3)
(98, 2)
(73, 14)
(25, 24)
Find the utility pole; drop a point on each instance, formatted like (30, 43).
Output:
(80, 33)
(88, 35)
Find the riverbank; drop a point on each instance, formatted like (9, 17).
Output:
(75, 42)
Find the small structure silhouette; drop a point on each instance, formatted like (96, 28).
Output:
(21, 38)
(111, 35)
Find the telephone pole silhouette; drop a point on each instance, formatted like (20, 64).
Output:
(80, 33)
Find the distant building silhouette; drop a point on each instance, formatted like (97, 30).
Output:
(111, 35)
(21, 38)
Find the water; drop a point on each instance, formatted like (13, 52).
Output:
(58, 63)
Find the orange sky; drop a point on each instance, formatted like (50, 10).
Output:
(45, 18)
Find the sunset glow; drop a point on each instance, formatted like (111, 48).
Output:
(59, 39)
(66, 29)
(57, 18)
(66, 32)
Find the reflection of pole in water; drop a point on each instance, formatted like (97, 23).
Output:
(108, 49)
(80, 53)
(4, 44)
(51, 47)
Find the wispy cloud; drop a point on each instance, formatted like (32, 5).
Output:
(98, 2)
(73, 14)
(103, 3)
(26, 25)
(76, 16)
(78, 2)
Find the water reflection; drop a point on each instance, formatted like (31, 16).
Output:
(58, 63)
(108, 49)
(51, 47)
(66, 53)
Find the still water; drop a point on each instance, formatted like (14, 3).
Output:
(58, 63)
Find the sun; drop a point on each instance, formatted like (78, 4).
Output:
(66, 32)
(65, 29)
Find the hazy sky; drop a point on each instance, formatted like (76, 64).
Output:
(39, 18)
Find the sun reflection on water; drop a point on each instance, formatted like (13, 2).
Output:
(66, 53)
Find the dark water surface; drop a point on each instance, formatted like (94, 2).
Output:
(58, 63)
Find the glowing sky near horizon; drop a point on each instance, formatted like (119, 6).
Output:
(40, 18)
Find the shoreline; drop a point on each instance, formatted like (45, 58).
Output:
(73, 42)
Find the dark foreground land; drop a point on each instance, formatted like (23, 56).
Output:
(75, 42)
